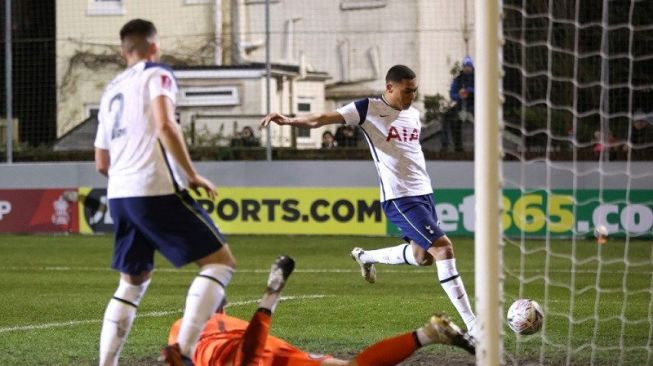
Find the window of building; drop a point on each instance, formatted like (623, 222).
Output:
(91, 110)
(209, 96)
(303, 132)
(253, 2)
(362, 4)
(302, 108)
(106, 7)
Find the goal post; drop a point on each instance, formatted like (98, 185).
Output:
(487, 181)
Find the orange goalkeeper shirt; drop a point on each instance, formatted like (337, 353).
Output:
(221, 338)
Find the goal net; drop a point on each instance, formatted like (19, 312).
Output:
(578, 155)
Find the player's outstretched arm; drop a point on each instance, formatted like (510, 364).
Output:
(173, 141)
(307, 121)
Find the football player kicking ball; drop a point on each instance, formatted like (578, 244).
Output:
(391, 127)
(227, 340)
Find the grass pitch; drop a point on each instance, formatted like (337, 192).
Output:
(55, 288)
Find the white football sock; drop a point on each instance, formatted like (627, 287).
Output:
(118, 319)
(272, 294)
(400, 254)
(204, 295)
(269, 301)
(453, 286)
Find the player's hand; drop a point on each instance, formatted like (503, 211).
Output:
(198, 182)
(463, 93)
(277, 118)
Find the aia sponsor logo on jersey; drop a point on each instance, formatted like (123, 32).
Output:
(403, 134)
(166, 82)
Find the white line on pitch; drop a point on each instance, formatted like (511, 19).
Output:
(184, 270)
(151, 314)
(306, 270)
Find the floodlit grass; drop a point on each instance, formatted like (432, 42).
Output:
(55, 288)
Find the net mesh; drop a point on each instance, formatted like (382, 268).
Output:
(33, 50)
(577, 112)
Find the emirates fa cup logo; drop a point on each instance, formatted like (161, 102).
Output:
(60, 215)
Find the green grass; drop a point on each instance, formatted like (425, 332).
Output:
(49, 280)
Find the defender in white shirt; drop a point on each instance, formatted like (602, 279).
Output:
(140, 147)
(391, 127)
(139, 165)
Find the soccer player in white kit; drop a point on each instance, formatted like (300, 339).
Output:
(391, 127)
(140, 147)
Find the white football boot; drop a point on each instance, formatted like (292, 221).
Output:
(279, 273)
(368, 270)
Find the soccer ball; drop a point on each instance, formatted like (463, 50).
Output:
(601, 234)
(525, 317)
(600, 230)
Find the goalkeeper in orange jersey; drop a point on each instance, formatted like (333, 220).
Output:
(226, 340)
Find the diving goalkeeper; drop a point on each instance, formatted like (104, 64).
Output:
(226, 340)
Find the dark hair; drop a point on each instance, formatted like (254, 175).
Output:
(397, 73)
(135, 33)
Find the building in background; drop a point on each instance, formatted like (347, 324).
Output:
(88, 53)
(352, 41)
(216, 102)
(357, 41)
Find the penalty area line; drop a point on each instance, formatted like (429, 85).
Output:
(150, 314)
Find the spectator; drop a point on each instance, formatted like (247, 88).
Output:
(328, 141)
(641, 134)
(245, 138)
(346, 136)
(462, 93)
(603, 145)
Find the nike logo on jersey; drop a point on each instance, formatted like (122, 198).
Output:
(403, 134)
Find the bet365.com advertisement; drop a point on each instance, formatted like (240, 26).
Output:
(357, 211)
(560, 212)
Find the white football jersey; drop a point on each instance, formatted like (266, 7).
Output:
(139, 166)
(393, 136)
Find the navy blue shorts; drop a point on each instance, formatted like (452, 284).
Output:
(416, 218)
(174, 224)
